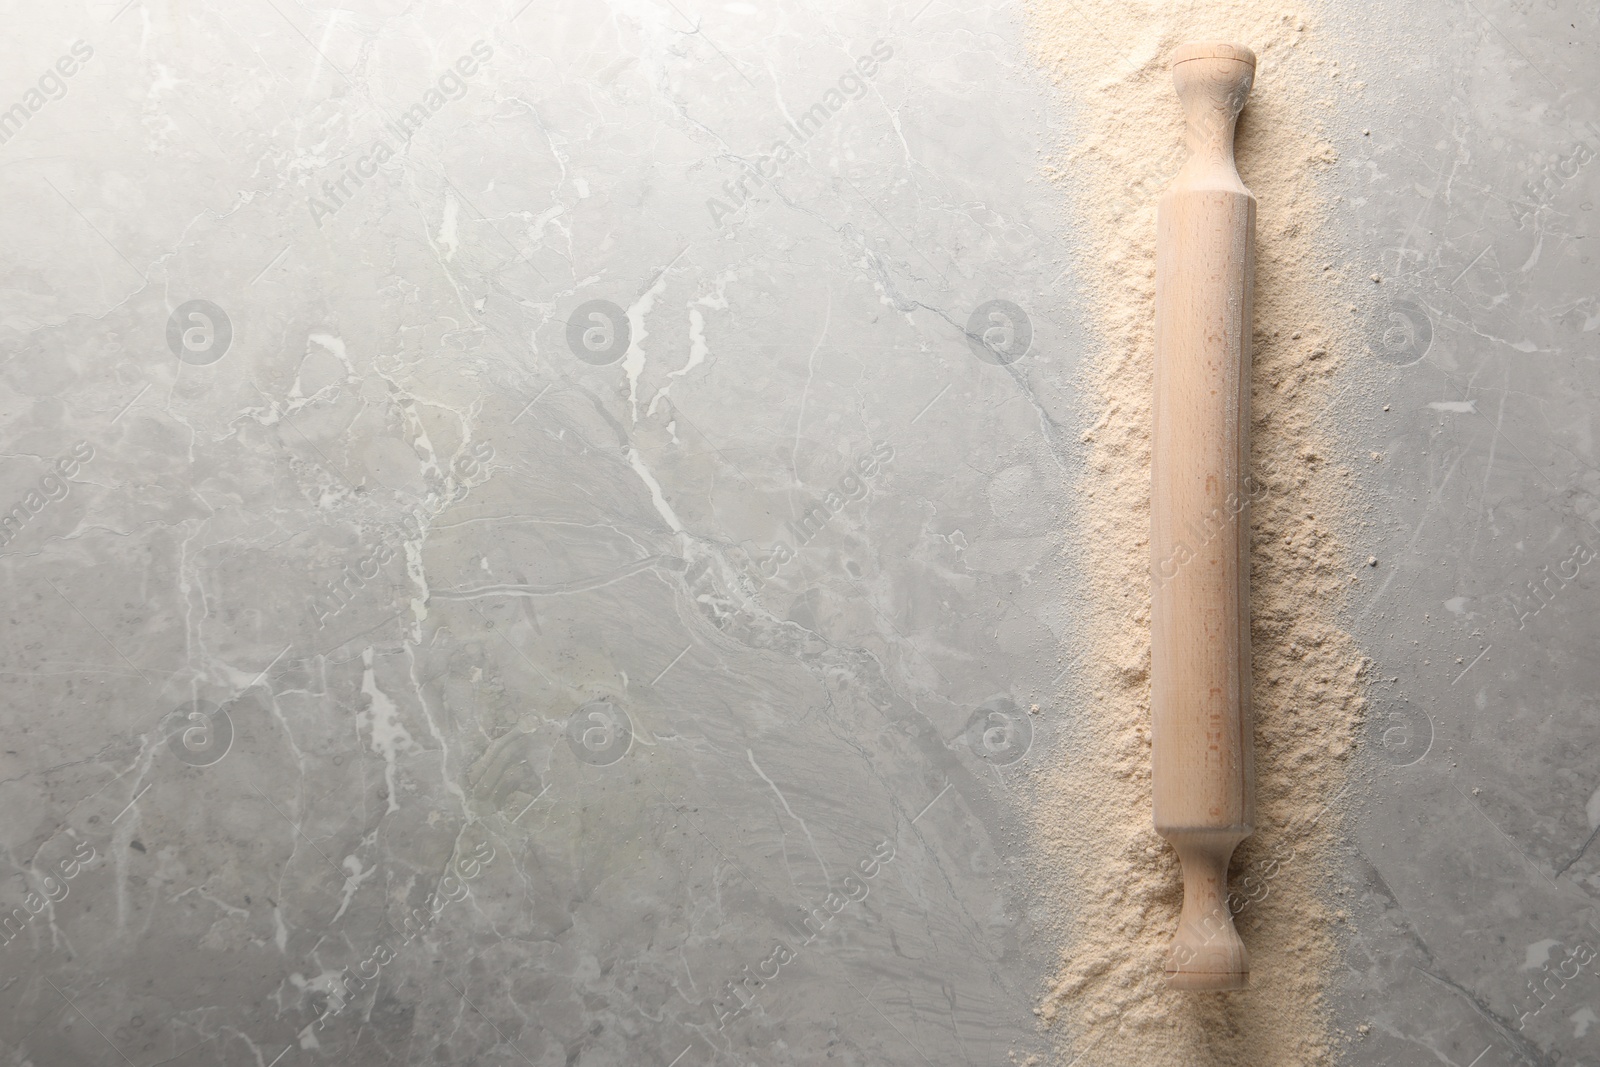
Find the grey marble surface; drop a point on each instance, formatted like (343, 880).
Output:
(512, 557)
(1473, 866)
(428, 682)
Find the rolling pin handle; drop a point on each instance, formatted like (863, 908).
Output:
(1213, 81)
(1206, 954)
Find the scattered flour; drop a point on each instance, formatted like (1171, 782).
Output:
(1111, 885)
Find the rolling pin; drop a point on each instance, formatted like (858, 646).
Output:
(1202, 771)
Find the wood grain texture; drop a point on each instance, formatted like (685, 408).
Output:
(1203, 770)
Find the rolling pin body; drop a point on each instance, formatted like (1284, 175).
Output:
(1202, 765)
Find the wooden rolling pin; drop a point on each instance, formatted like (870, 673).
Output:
(1203, 768)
